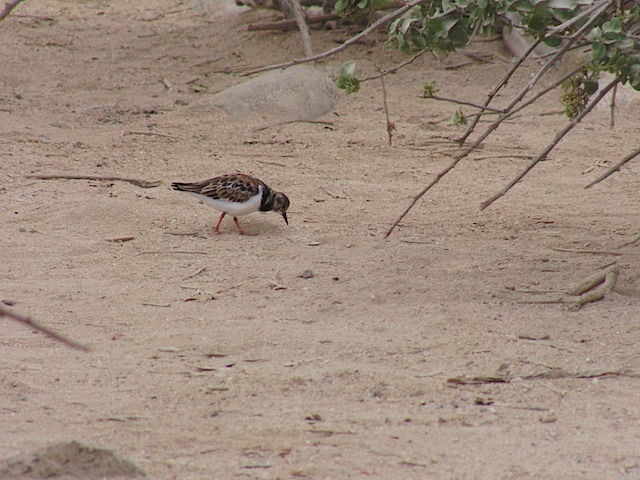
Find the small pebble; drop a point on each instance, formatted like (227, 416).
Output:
(307, 274)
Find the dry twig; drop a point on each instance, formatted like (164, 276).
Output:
(553, 374)
(591, 289)
(391, 126)
(4, 312)
(135, 181)
(287, 122)
(7, 8)
(615, 168)
(559, 136)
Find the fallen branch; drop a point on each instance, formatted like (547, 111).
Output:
(598, 293)
(553, 374)
(591, 289)
(7, 8)
(590, 282)
(593, 252)
(135, 181)
(615, 168)
(4, 312)
(374, 26)
(631, 242)
(149, 134)
(286, 122)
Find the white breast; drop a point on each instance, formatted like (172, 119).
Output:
(232, 208)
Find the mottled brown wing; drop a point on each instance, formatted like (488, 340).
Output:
(234, 188)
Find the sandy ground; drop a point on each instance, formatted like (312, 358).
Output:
(212, 356)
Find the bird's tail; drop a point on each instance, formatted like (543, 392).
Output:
(185, 187)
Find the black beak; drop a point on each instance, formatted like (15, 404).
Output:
(284, 215)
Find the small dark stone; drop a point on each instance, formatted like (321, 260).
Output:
(307, 274)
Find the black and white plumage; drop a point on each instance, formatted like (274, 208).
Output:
(236, 194)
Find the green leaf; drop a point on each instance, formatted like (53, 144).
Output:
(552, 41)
(429, 89)
(563, 4)
(459, 118)
(590, 86)
(614, 25)
(595, 35)
(598, 52)
(393, 28)
(341, 7)
(406, 25)
(418, 40)
(348, 68)
(362, 4)
(347, 81)
(523, 6)
(382, 4)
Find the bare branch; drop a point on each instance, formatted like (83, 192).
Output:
(496, 89)
(5, 312)
(391, 126)
(553, 144)
(615, 168)
(463, 102)
(493, 126)
(7, 8)
(387, 71)
(341, 47)
(586, 12)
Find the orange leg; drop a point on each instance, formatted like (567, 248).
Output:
(219, 222)
(235, 219)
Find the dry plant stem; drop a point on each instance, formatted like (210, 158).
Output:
(615, 168)
(390, 125)
(553, 374)
(633, 241)
(560, 53)
(590, 282)
(552, 145)
(481, 139)
(463, 102)
(497, 122)
(586, 12)
(599, 292)
(302, 26)
(4, 312)
(397, 67)
(341, 47)
(135, 181)
(497, 88)
(286, 122)
(612, 121)
(7, 8)
(594, 252)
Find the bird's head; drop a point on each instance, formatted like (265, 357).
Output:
(281, 204)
